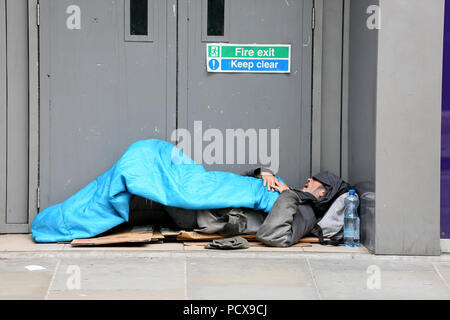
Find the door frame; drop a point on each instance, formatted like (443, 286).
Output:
(33, 74)
(33, 122)
(330, 87)
(2, 117)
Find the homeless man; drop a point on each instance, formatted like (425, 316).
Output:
(296, 213)
(158, 171)
(293, 216)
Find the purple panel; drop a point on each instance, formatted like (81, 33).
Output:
(445, 171)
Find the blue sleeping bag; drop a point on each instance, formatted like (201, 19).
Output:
(154, 170)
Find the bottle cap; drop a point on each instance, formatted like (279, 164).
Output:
(352, 192)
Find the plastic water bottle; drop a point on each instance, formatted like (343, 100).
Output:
(351, 220)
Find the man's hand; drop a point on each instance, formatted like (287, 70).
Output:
(280, 186)
(270, 181)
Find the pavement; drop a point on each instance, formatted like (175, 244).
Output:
(30, 271)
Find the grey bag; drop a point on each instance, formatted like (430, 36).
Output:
(332, 224)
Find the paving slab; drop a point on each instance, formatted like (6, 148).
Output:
(377, 279)
(122, 274)
(172, 294)
(444, 270)
(131, 247)
(251, 249)
(222, 279)
(24, 243)
(315, 247)
(177, 271)
(25, 279)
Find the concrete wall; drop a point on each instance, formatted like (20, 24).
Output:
(363, 47)
(408, 127)
(361, 115)
(394, 114)
(445, 154)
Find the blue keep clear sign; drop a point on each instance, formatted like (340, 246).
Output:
(248, 58)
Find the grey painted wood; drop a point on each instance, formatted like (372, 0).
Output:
(33, 74)
(171, 94)
(316, 131)
(327, 127)
(182, 62)
(99, 93)
(263, 101)
(2, 115)
(304, 168)
(17, 112)
(345, 92)
(331, 86)
(44, 104)
(14, 108)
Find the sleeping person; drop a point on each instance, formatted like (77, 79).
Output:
(292, 217)
(158, 171)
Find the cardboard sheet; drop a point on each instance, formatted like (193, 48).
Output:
(196, 236)
(149, 234)
(138, 234)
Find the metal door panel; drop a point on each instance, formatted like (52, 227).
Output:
(17, 112)
(2, 114)
(258, 101)
(99, 92)
(14, 108)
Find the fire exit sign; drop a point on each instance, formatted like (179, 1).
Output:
(248, 58)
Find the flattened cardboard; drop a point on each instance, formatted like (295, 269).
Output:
(139, 234)
(311, 240)
(196, 236)
(170, 233)
(148, 234)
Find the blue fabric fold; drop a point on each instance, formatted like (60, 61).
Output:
(155, 170)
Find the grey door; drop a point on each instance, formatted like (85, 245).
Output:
(14, 106)
(249, 101)
(117, 71)
(107, 75)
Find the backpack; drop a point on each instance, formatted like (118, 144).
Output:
(331, 225)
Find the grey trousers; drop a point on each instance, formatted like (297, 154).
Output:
(288, 221)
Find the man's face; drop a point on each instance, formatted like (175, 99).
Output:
(316, 188)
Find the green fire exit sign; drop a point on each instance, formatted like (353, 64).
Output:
(252, 58)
